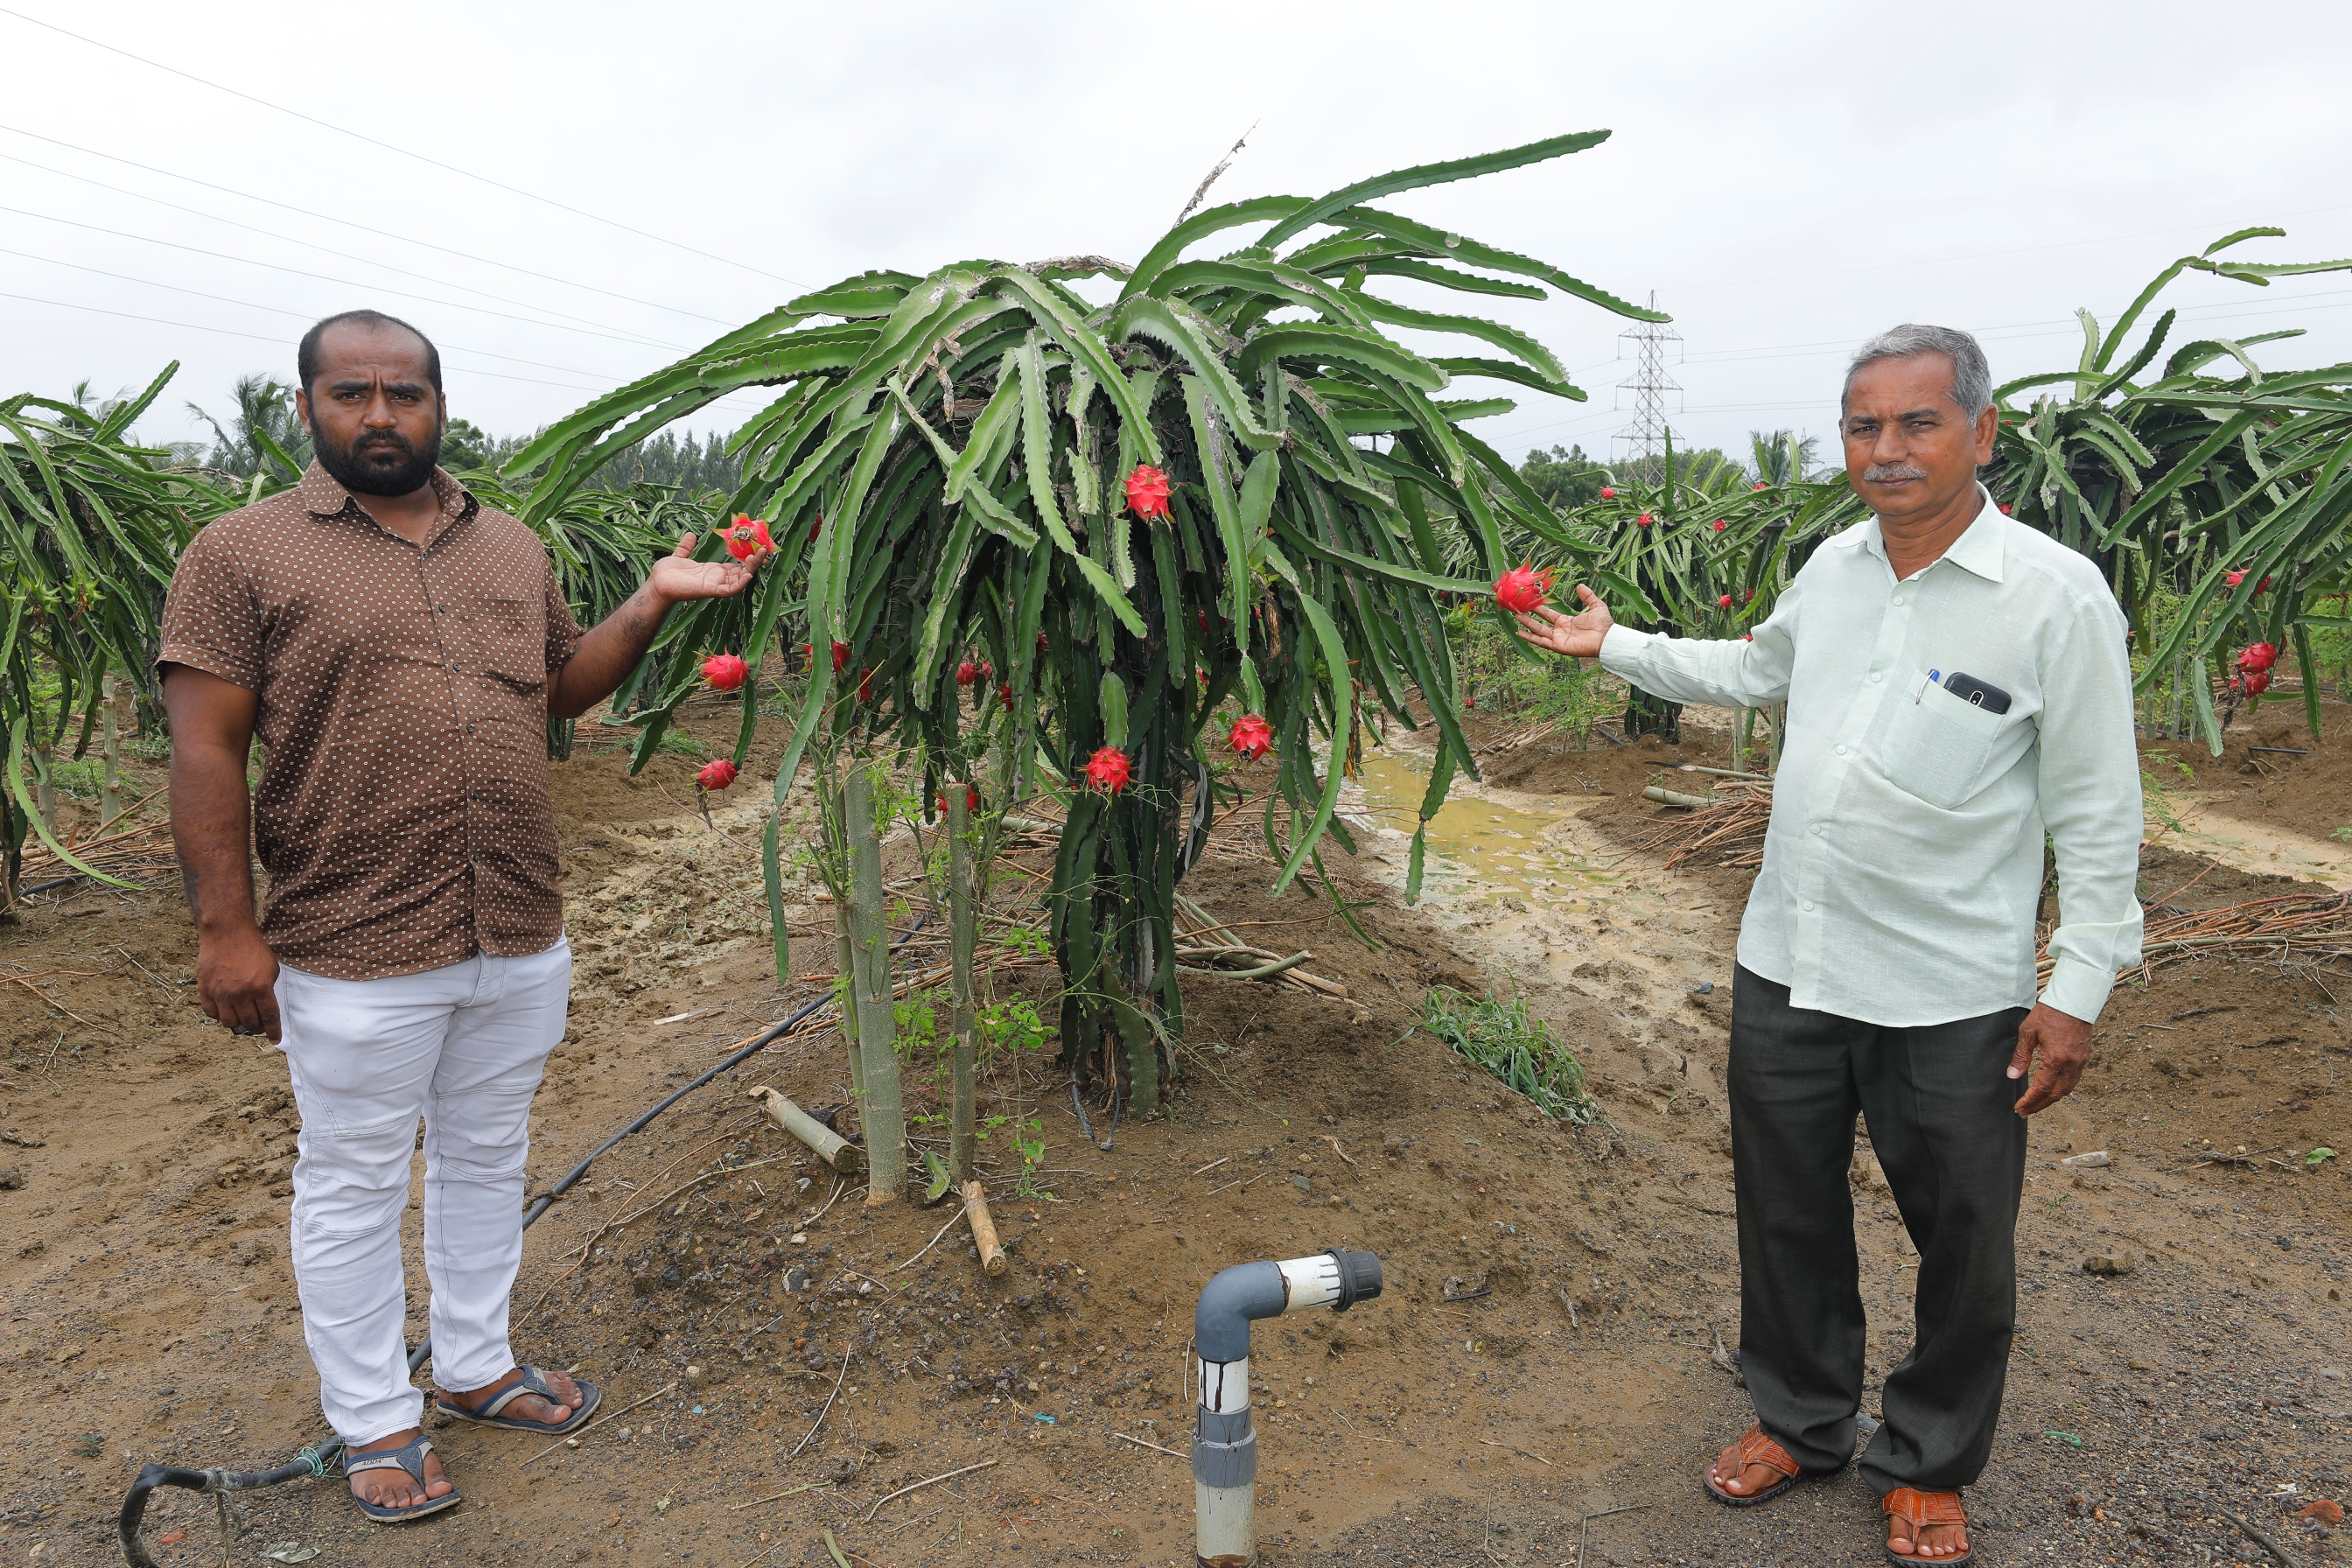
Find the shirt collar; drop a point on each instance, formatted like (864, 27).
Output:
(1978, 549)
(322, 495)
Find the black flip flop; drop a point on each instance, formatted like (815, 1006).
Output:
(532, 1381)
(409, 1456)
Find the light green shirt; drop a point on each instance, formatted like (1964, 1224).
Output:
(1904, 864)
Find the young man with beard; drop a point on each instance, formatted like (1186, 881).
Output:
(397, 649)
(1957, 687)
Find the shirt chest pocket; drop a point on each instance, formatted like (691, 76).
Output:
(512, 637)
(1936, 748)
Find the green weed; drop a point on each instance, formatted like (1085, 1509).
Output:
(1517, 1049)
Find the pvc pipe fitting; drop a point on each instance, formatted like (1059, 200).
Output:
(1225, 1443)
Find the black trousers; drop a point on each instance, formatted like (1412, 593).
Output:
(1941, 1111)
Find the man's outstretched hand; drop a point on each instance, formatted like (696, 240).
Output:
(1578, 636)
(612, 647)
(679, 577)
(2064, 1042)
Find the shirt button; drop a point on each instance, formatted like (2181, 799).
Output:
(469, 730)
(1841, 751)
(1875, 675)
(1807, 906)
(455, 670)
(1898, 598)
(1819, 829)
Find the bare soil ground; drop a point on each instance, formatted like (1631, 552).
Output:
(2197, 1374)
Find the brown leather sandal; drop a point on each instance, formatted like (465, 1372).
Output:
(1921, 1510)
(1755, 1448)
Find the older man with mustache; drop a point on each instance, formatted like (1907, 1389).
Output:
(1958, 689)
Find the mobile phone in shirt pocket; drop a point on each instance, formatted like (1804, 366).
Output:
(1935, 748)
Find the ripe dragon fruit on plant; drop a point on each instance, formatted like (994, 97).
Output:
(1109, 771)
(1522, 588)
(746, 537)
(1147, 491)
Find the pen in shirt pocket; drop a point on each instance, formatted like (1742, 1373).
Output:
(1919, 694)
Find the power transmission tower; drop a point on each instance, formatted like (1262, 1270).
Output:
(1651, 386)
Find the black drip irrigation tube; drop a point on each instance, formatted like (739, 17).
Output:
(313, 1458)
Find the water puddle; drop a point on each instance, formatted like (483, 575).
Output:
(1535, 894)
(2251, 847)
(1480, 846)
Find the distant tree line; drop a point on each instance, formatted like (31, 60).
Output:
(263, 431)
(1565, 477)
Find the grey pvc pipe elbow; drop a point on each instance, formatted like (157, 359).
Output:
(1225, 1443)
(1238, 1296)
(1230, 1303)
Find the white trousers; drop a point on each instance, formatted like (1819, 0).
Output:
(462, 1047)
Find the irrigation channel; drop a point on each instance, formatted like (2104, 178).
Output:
(1547, 1368)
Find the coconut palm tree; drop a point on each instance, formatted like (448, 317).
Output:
(1780, 458)
(266, 437)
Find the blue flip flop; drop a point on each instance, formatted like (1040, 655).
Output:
(532, 1381)
(409, 1457)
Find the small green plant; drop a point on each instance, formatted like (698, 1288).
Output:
(1028, 1139)
(2319, 1157)
(1031, 1144)
(1012, 1026)
(678, 743)
(2344, 832)
(1513, 1048)
(916, 1023)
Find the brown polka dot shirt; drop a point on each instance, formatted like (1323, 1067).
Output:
(403, 815)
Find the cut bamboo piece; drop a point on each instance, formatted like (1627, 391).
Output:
(983, 1230)
(110, 809)
(964, 1144)
(881, 1114)
(1675, 797)
(836, 1151)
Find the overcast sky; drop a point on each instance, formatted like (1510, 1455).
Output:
(584, 191)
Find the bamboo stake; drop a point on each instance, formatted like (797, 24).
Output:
(110, 800)
(964, 1142)
(836, 1151)
(845, 966)
(884, 1115)
(44, 791)
(983, 1229)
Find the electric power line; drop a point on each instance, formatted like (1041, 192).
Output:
(332, 250)
(2015, 332)
(325, 278)
(1992, 255)
(405, 153)
(259, 337)
(364, 229)
(280, 311)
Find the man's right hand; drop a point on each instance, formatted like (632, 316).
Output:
(212, 828)
(237, 979)
(1578, 636)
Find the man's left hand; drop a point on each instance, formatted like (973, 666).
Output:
(2064, 1042)
(679, 577)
